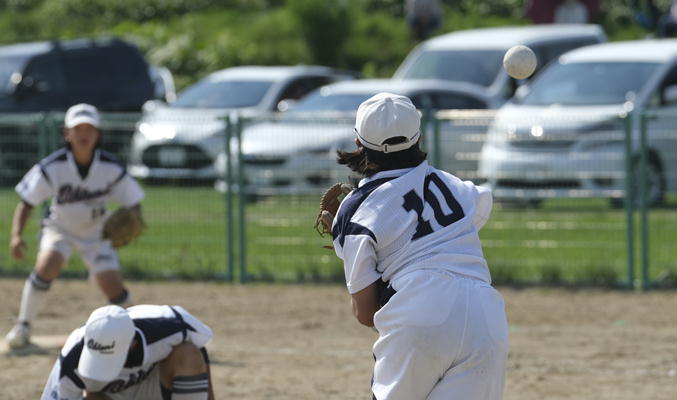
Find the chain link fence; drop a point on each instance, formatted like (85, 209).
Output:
(236, 198)
(186, 234)
(654, 169)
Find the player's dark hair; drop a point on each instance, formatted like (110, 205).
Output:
(368, 162)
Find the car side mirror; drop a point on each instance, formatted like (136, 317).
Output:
(670, 95)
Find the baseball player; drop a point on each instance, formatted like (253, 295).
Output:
(145, 352)
(442, 327)
(80, 179)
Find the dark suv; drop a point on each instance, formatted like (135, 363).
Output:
(50, 77)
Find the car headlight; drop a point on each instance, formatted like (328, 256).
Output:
(157, 132)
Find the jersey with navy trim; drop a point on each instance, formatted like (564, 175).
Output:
(78, 204)
(401, 220)
(158, 330)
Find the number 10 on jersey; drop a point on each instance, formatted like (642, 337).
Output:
(413, 202)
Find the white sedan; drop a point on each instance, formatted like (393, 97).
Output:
(296, 153)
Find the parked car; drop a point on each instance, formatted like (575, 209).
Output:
(51, 76)
(296, 153)
(476, 55)
(564, 136)
(182, 140)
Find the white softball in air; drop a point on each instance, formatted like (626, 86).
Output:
(520, 62)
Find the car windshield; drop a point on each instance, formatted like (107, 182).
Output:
(475, 66)
(223, 94)
(8, 66)
(317, 101)
(589, 83)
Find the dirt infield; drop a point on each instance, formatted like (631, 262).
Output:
(300, 342)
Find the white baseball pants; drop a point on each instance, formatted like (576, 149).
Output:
(441, 336)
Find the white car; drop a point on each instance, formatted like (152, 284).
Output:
(565, 137)
(183, 140)
(476, 55)
(296, 153)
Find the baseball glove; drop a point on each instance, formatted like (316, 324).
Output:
(123, 226)
(329, 205)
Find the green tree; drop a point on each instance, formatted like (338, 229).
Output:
(325, 27)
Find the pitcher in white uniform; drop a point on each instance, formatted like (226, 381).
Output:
(443, 332)
(80, 180)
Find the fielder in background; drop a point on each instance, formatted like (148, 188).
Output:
(146, 352)
(408, 236)
(80, 179)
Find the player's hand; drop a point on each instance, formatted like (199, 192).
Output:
(17, 247)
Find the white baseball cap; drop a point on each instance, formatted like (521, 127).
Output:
(82, 114)
(384, 116)
(108, 335)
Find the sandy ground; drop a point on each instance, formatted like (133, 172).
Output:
(300, 342)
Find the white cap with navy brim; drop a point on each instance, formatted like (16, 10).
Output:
(384, 116)
(82, 114)
(109, 332)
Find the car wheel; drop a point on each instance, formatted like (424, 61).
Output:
(655, 185)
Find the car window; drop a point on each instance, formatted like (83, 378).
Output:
(318, 101)
(8, 66)
(102, 68)
(475, 66)
(589, 83)
(551, 51)
(45, 72)
(421, 101)
(302, 86)
(456, 101)
(223, 94)
(670, 81)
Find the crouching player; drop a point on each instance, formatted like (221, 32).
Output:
(147, 352)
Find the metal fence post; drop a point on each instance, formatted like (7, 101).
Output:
(628, 200)
(43, 145)
(241, 202)
(643, 203)
(53, 132)
(229, 200)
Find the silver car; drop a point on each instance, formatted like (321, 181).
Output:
(476, 55)
(183, 140)
(565, 136)
(296, 153)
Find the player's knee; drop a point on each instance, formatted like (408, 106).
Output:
(48, 265)
(186, 359)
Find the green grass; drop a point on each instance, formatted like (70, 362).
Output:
(563, 242)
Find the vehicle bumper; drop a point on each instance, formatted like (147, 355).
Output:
(541, 174)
